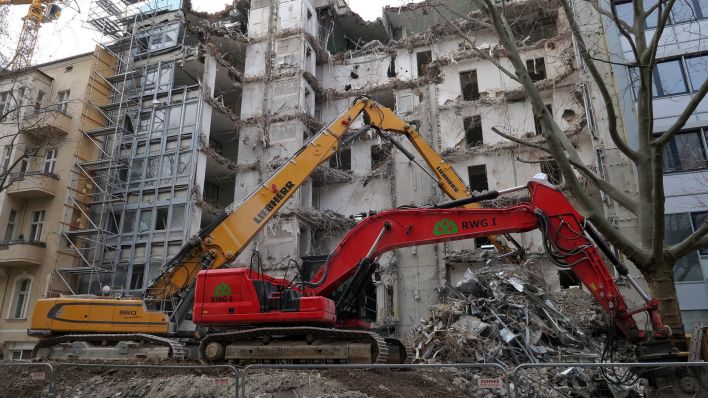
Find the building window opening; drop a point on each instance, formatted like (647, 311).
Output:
(538, 126)
(478, 178)
(473, 131)
(342, 160)
(50, 160)
(469, 85)
(62, 101)
(161, 217)
(568, 279)
(137, 277)
(11, 224)
(423, 59)
(686, 151)
(22, 291)
(380, 154)
(536, 68)
(36, 226)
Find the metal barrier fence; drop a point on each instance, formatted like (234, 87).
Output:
(521, 381)
(499, 382)
(527, 382)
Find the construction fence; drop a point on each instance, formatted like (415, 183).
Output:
(673, 379)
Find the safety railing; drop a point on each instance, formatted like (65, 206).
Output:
(672, 379)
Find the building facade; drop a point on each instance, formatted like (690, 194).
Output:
(42, 109)
(682, 66)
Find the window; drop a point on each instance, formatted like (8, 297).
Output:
(68, 68)
(50, 160)
(161, 217)
(6, 155)
(19, 305)
(473, 130)
(211, 192)
(63, 100)
(538, 126)
(536, 68)
(669, 79)
(693, 266)
(21, 355)
(38, 101)
(11, 222)
(137, 277)
(552, 171)
(469, 86)
(5, 99)
(177, 218)
(697, 68)
(423, 59)
(36, 226)
(682, 11)
(342, 160)
(185, 159)
(129, 222)
(478, 178)
(145, 223)
(20, 100)
(687, 150)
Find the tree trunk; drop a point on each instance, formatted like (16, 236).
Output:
(660, 279)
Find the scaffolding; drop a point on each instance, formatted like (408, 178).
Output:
(118, 87)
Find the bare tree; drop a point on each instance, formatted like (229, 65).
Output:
(654, 258)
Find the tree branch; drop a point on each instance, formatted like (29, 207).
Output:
(687, 112)
(697, 240)
(622, 198)
(606, 97)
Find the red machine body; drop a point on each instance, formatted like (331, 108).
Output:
(239, 296)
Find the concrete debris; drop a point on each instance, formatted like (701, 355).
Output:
(326, 220)
(498, 315)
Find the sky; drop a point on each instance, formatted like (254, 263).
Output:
(70, 35)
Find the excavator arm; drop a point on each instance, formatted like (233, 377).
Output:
(225, 239)
(562, 227)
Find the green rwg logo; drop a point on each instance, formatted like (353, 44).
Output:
(222, 290)
(445, 227)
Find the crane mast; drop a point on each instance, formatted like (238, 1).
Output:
(39, 12)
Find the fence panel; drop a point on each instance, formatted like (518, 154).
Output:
(431, 380)
(673, 379)
(39, 383)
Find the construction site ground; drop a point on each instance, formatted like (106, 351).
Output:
(263, 383)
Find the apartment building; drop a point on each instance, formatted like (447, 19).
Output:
(682, 67)
(42, 110)
(186, 113)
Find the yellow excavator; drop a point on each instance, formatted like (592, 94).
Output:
(102, 327)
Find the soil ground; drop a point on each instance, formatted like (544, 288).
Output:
(263, 383)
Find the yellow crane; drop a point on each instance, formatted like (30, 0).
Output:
(40, 12)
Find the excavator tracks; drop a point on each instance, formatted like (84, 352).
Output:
(108, 347)
(295, 345)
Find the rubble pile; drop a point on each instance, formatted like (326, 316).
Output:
(499, 315)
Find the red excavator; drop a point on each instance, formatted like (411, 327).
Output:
(252, 316)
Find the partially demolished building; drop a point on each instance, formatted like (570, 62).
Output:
(199, 109)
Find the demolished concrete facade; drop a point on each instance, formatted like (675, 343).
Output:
(198, 110)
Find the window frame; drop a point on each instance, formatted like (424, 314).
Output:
(5, 97)
(36, 225)
(17, 292)
(534, 74)
(62, 104)
(50, 161)
(473, 126)
(10, 228)
(464, 83)
(671, 145)
(469, 177)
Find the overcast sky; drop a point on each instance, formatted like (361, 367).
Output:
(69, 35)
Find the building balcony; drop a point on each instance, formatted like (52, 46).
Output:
(22, 253)
(33, 184)
(47, 125)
